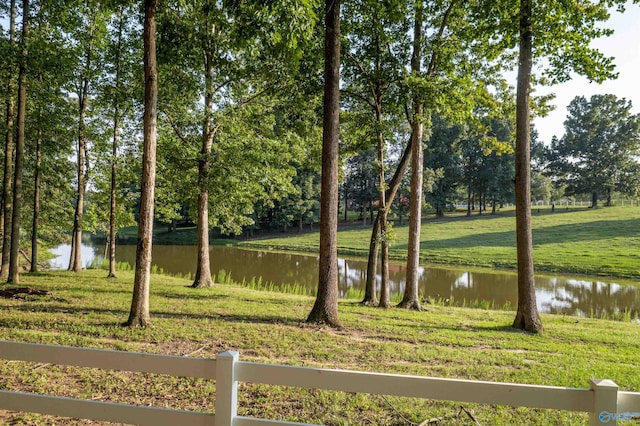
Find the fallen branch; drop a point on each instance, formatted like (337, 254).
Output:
(200, 349)
(44, 364)
(398, 412)
(26, 257)
(432, 421)
(468, 413)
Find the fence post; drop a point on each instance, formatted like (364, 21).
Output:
(226, 388)
(605, 402)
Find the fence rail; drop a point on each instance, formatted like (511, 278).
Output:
(602, 400)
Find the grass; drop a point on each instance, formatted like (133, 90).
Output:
(603, 241)
(86, 309)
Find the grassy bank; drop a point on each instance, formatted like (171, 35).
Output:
(86, 309)
(603, 241)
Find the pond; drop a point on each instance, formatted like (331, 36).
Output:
(571, 295)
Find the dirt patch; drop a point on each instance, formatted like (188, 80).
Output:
(9, 293)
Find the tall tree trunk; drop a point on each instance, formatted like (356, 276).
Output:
(75, 261)
(36, 205)
(139, 314)
(7, 202)
(527, 316)
(114, 152)
(594, 199)
(410, 299)
(112, 206)
(383, 211)
(385, 296)
(325, 308)
(370, 297)
(14, 271)
(203, 268)
(468, 200)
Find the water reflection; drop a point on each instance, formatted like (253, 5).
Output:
(90, 253)
(568, 295)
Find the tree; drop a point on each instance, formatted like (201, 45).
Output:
(410, 298)
(8, 148)
(301, 206)
(325, 308)
(443, 152)
(499, 162)
(48, 167)
(598, 153)
(139, 314)
(120, 54)
(36, 204)
(563, 33)
(370, 297)
(565, 30)
(527, 316)
(47, 177)
(90, 39)
(459, 71)
(235, 58)
(374, 69)
(19, 155)
(360, 182)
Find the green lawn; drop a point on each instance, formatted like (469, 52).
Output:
(603, 241)
(85, 309)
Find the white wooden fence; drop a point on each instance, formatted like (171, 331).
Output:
(602, 400)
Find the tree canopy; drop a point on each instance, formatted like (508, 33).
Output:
(599, 151)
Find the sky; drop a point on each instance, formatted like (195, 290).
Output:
(624, 46)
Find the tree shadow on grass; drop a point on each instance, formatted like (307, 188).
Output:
(158, 314)
(193, 295)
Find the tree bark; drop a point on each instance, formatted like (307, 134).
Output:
(527, 316)
(370, 296)
(139, 314)
(385, 296)
(594, 200)
(383, 211)
(112, 207)
(14, 270)
(75, 260)
(325, 308)
(410, 299)
(203, 268)
(36, 205)
(7, 202)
